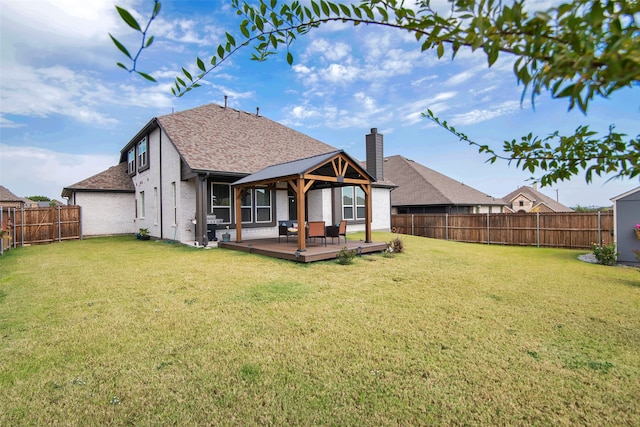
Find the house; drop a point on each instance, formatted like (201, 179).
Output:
(626, 217)
(423, 190)
(10, 200)
(177, 178)
(528, 199)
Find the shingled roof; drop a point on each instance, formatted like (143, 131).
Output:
(537, 198)
(219, 139)
(114, 179)
(8, 196)
(420, 186)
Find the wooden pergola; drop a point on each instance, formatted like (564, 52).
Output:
(335, 169)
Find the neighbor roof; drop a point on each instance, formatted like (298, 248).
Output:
(219, 139)
(537, 198)
(8, 196)
(418, 185)
(115, 179)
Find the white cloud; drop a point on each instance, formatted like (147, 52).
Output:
(477, 116)
(26, 170)
(340, 74)
(54, 90)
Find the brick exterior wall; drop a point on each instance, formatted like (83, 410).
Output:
(106, 213)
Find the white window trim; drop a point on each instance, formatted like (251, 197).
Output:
(269, 206)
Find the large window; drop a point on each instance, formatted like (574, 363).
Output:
(221, 201)
(131, 160)
(247, 206)
(353, 207)
(143, 155)
(263, 205)
(256, 204)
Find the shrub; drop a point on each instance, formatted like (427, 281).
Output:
(345, 256)
(395, 246)
(636, 252)
(605, 254)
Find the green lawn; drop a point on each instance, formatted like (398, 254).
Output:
(120, 331)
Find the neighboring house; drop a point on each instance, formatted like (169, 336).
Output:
(10, 200)
(626, 215)
(423, 190)
(177, 175)
(529, 199)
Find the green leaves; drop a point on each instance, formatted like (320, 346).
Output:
(560, 157)
(577, 51)
(128, 18)
(145, 42)
(122, 49)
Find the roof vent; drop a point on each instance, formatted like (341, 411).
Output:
(257, 111)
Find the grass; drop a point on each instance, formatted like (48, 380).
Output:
(116, 331)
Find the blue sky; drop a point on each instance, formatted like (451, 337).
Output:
(66, 110)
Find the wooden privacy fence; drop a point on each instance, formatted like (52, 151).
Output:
(39, 225)
(544, 229)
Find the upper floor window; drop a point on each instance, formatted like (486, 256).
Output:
(353, 207)
(131, 160)
(143, 155)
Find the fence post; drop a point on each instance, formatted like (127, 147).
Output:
(59, 226)
(412, 226)
(538, 229)
(488, 235)
(599, 230)
(446, 226)
(22, 229)
(13, 229)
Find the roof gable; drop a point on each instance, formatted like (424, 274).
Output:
(419, 185)
(219, 139)
(114, 179)
(337, 164)
(537, 198)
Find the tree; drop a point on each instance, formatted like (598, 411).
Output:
(578, 50)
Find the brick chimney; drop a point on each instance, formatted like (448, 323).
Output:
(375, 154)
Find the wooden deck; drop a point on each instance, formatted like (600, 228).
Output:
(316, 251)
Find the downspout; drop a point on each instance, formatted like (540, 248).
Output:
(161, 198)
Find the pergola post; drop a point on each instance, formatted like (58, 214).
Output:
(238, 194)
(302, 231)
(368, 211)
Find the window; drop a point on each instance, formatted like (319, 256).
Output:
(143, 155)
(263, 205)
(221, 201)
(174, 199)
(142, 204)
(155, 204)
(246, 206)
(353, 204)
(131, 161)
(521, 203)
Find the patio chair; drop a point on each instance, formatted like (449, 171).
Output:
(287, 229)
(334, 231)
(342, 231)
(317, 229)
